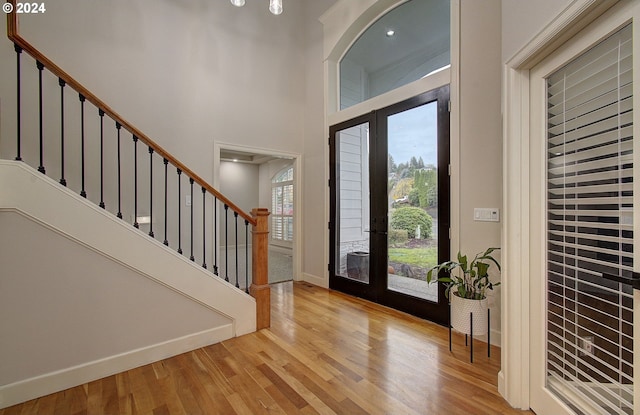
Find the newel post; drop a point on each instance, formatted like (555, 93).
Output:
(260, 289)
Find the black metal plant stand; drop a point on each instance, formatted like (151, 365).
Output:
(466, 336)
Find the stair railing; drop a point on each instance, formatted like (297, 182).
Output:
(211, 216)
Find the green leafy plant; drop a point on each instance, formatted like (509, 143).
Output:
(409, 218)
(472, 280)
(398, 236)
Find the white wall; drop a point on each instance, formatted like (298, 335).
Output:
(480, 149)
(316, 133)
(192, 72)
(523, 19)
(239, 182)
(84, 295)
(185, 72)
(81, 306)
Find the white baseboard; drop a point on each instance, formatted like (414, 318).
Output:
(315, 280)
(28, 389)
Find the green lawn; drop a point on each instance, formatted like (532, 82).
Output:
(422, 257)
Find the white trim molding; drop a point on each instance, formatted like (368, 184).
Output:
(46, 384)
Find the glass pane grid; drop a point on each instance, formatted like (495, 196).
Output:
(282, 206)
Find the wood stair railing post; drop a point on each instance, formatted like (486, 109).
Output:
(260, 289)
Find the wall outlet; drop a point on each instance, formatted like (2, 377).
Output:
(187, 200)
(586, 346)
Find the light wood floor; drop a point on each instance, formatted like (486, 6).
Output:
(326, 353)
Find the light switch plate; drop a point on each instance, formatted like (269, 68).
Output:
(486, 214)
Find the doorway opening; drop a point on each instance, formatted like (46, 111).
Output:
(252, 178)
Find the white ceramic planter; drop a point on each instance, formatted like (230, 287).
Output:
(461, 308)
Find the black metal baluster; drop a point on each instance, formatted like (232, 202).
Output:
(166, 164)
(204, 230)
(83, 193)
(18, 50)
(471, 330)
(118, 127)
(246, 256)
(226, 242)
(151, 192)
(101, 114)
(62, 84)
(40, 68)
(179, 214)
(191, 183)
(135, 182)
(488, 332)
(215, 235)
(235, 214)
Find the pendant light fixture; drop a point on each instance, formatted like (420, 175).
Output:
(275, 6)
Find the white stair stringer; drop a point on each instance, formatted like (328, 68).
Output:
(140, 302)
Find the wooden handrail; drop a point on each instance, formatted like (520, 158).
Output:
(14, 36)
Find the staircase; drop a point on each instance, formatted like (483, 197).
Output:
(110, 247)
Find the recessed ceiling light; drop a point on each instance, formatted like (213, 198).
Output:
(235, 160)
(390, 32)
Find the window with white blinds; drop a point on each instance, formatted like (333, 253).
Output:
(282, 205)
(590, 229)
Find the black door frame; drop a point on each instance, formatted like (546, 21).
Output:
(377, 290)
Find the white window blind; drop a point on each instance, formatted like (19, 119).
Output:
(590, 228)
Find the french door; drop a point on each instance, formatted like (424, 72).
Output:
(389, 224)
(583, 215)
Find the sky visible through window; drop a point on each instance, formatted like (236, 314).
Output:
(414, 133)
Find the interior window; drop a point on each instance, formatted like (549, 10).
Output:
(282, 205)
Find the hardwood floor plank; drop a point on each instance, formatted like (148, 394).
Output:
(340, 367)
(326, 353)
(238, 404)
(282, 386)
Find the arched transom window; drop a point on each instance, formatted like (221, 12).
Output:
(406, 44)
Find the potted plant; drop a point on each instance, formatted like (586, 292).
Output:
(467, 288)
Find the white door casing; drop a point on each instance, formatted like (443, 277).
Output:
(524, 183)
(542, 400)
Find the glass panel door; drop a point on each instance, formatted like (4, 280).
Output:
(390, 204)
(350, 208)
(412, 138)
